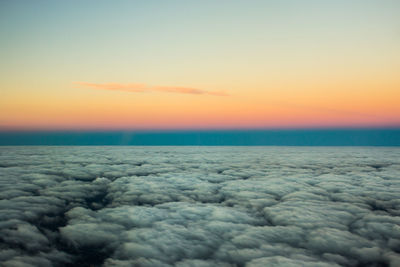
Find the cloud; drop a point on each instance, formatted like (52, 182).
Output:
(142, 88)
(185, 206)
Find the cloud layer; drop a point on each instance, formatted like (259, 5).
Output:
(141, 88)
(191, 206)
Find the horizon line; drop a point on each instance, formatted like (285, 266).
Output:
(211, 129)
(258, 137)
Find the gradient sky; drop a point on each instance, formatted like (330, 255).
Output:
(199, 64)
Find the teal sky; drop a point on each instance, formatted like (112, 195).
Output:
(81, 35)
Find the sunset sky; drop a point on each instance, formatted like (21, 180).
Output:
(88, 65)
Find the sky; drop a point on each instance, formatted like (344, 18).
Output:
(140, 65)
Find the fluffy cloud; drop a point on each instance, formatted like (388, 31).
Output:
(190, 206)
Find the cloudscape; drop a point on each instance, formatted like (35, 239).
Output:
(185, 206)
(183, 133)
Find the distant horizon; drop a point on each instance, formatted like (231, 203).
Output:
(214, 137)
(200, 129)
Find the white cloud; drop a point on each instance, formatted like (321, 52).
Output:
(178, 206)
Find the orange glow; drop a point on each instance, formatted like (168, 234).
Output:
(315, 106)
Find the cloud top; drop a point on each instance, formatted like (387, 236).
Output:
(199, 206)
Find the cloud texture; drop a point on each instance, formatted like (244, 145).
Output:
(191, 206)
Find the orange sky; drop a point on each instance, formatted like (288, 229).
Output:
(192, 65)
